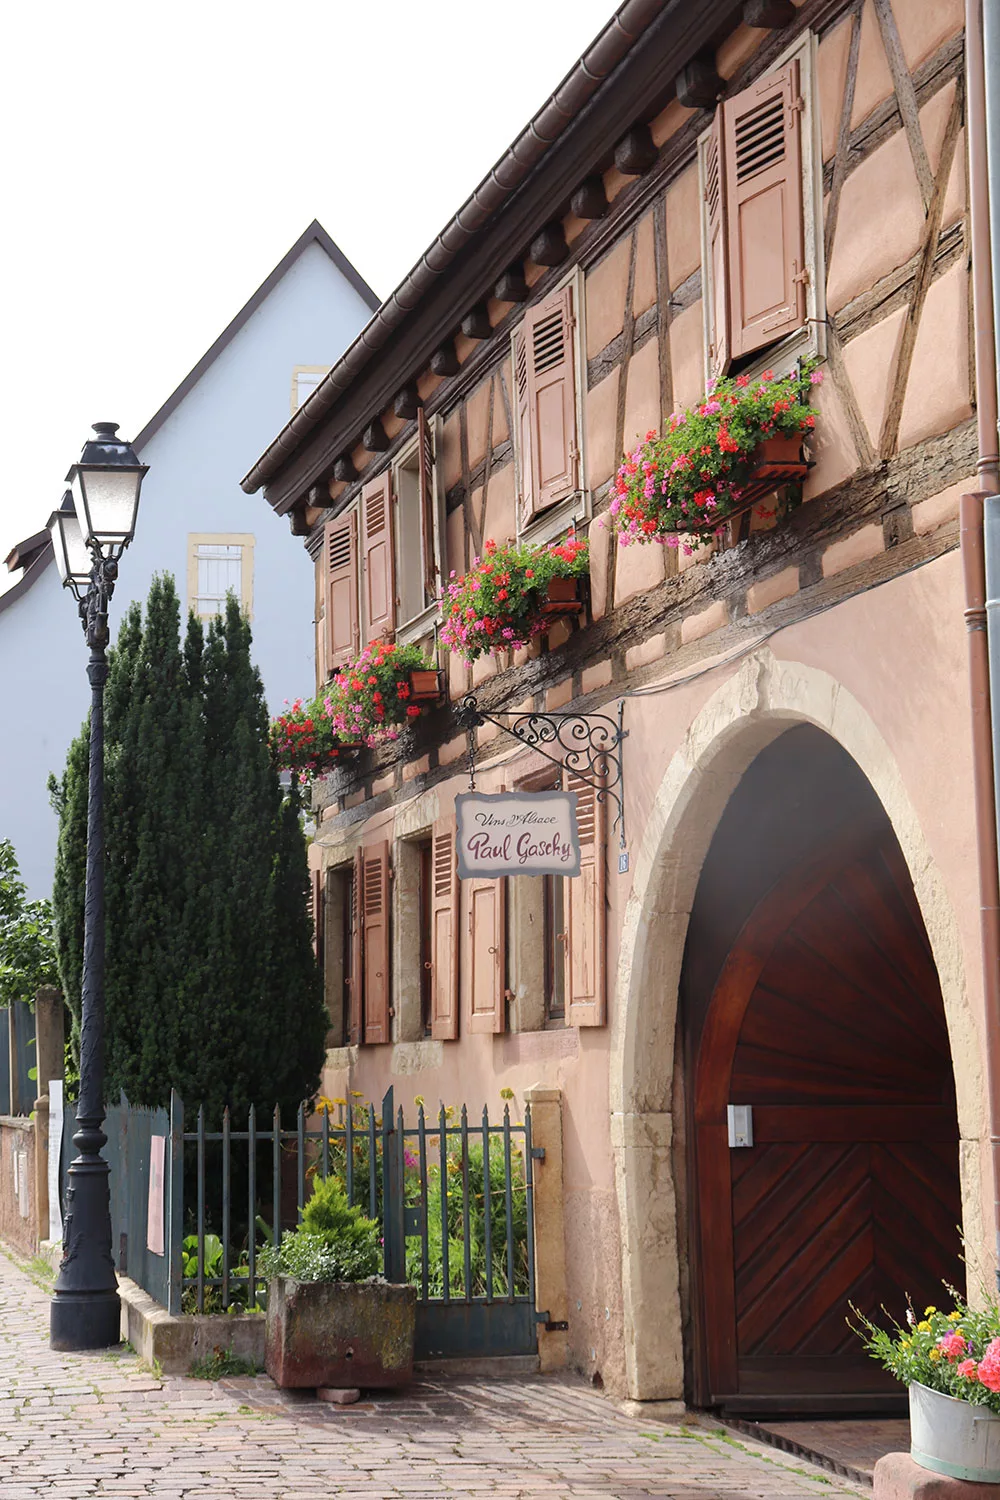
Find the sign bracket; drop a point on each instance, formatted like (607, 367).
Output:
(589, 746)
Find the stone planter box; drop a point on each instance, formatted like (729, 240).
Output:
(339, 1334)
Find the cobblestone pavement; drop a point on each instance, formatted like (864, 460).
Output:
(76, 1426)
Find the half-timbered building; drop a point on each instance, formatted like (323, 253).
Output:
(784, 911)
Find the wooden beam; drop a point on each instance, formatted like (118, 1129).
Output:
(476, 323)
(549, 247)
(511, 285)
(698, 85)
(590, 201)
(344, 471)
(374, 437)
(768, 14)
(406, 403)
(635, 152)
(444, 360)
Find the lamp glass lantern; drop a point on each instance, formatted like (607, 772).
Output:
(73, 558)
(105, 486)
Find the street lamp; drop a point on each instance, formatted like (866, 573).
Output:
(90, 531)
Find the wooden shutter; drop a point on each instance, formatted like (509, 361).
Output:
(317, 910)
(377, 571)
(523, 427)
(340, 551)
(425, 459)
(763, 180)
(356, 939)
(548, 336)
(584, 897)
(375, 929)
(486, 911)
(717, 257)
(444, 931)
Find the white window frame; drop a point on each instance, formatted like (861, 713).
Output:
(575, 509)
(245, 541)
(298, 370)
(810, 340)
(425, 622)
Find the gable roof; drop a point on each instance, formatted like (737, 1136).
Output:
(315, 232)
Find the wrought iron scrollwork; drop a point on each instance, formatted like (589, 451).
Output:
(588, 746)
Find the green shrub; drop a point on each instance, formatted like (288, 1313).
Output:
(334, 1242)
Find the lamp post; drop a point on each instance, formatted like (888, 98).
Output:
(90, 531)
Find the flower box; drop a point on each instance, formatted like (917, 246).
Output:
(777, 460)
(562, 598)
(339, 1334)
(958, 1438)
(426, 685)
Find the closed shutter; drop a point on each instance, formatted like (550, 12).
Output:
(486, 954)
(355, 980)
(718, 262)
(548, 335)
(378, 577)
(375, 928)
(523, 428)
(444, 932)
(425, 458)
(340, 551)
(584, 897)
(763, 183)
(317, 911)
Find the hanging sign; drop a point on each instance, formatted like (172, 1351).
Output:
(517, 833)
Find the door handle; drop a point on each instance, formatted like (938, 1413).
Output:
(739, 1118)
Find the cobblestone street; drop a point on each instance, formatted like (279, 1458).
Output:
(77, 1426)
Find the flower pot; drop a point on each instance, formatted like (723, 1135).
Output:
(777, 460)
(340, 1334)
(426, 685)
(954, 1437)
(562, 598)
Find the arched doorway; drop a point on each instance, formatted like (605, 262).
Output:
(822, 1155)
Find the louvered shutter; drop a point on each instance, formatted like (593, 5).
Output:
(375, 926)
(340, 549)
(425, 458)
(763, 180)
(377, 571)
(718, 260)
(523, 427)
(584, 897)
(356, 938)
(548, 334)
(486, 907)
(444, 932)
(317, 911)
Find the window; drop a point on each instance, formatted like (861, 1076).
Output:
(762, 243)
(554, 943)
(335, 938)
(219, 565)
(425, 888)
(356, 932)
(419, 531)
(305, 379)
(548, 380)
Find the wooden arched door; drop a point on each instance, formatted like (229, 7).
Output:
(827, 1021)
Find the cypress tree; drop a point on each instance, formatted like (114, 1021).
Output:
(212, 987)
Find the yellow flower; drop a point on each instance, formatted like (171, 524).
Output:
(953, 1317)
(934, 1356)
(923, 1327)
(418, 1100)
(907, 1344)
(506, 1093)
(356, 1095)
(929, 1311)
(338, 1101)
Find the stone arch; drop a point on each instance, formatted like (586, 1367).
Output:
(761, 700)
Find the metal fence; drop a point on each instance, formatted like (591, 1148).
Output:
(17, 1047)
(191, 1209)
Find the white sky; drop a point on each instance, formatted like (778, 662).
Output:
(159, 158)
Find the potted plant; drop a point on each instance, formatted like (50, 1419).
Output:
(951, 1364)
(511, 594)
(716, 459)
(302, 740)
(331, 1320)
(370, 700)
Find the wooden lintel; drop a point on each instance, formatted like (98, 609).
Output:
(549, 247)
(444, 361)
(299, 517)
(698, 84)
(374, 437)
(590, 201)
(511, 285)
(344, 471)
(406, 402)
(768, 14)
(476, 323)
(635, 152)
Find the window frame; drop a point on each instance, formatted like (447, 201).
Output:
(576, 508)
(297, 370)
(425, 621)
(245, 540)
(810, 341)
